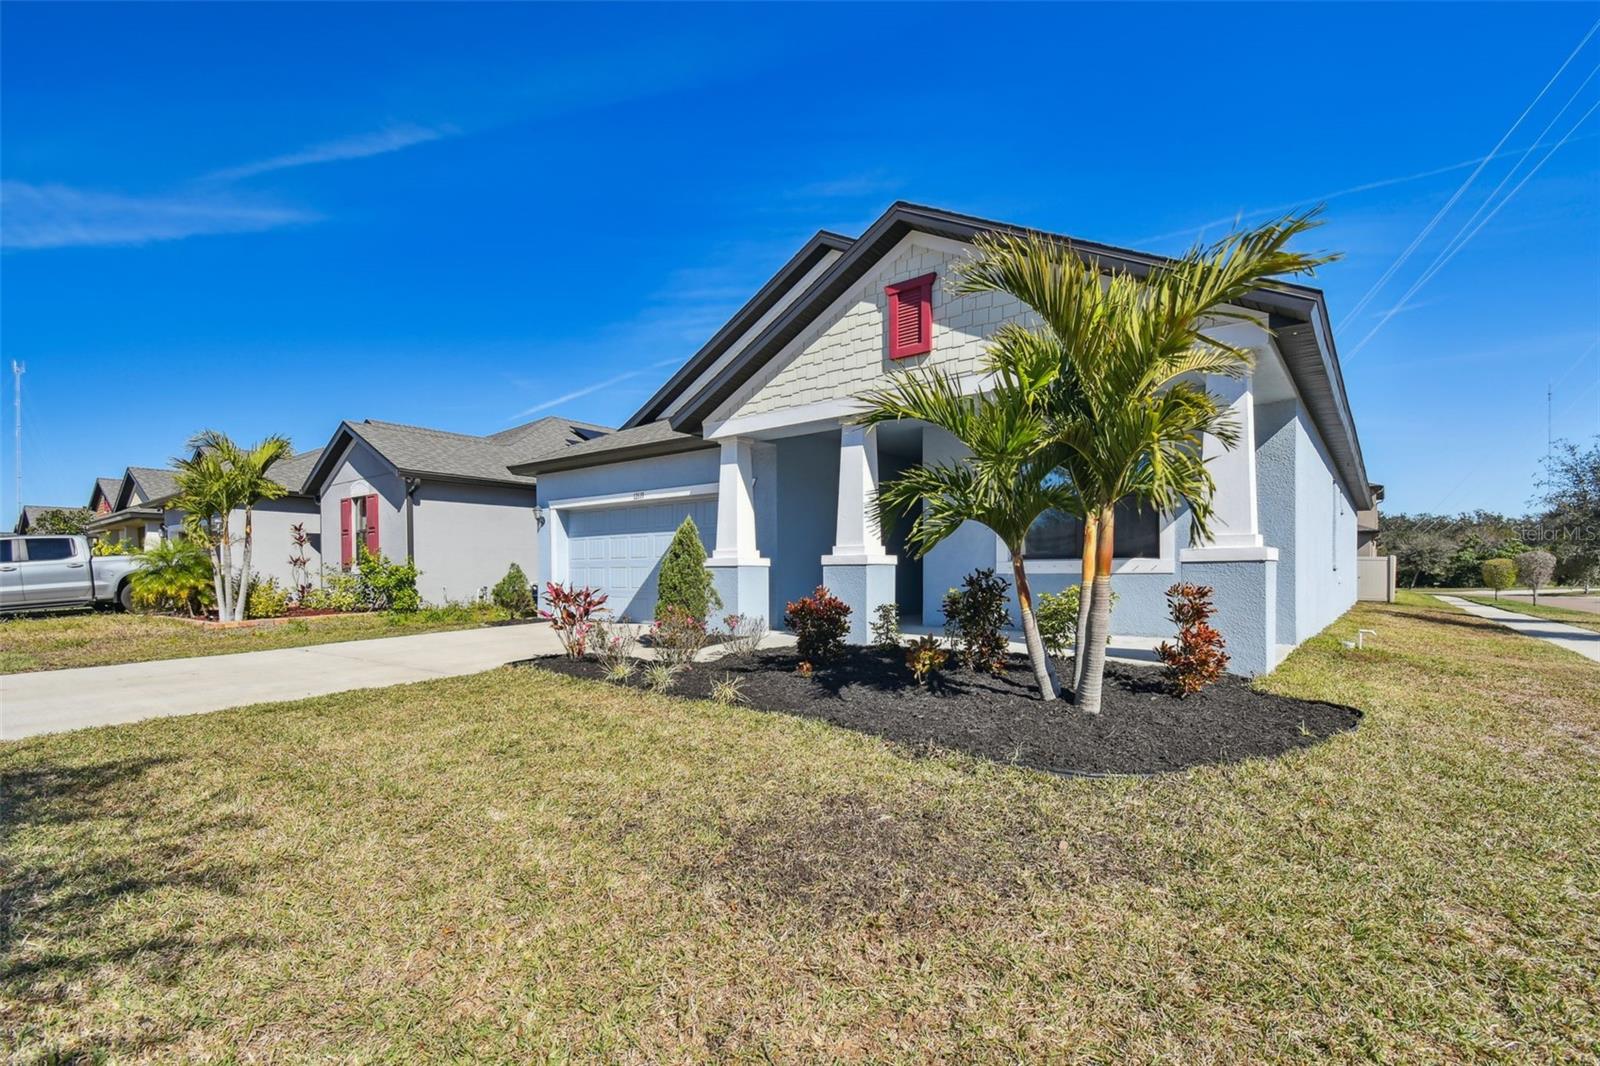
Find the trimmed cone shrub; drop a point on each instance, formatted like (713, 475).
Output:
(685, 582)
(514, 593)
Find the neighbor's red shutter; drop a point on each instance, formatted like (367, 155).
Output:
(372, 523)
(347, 542)
(911, 317)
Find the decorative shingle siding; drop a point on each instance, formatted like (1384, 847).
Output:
(845, 352)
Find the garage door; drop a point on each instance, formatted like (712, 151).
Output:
(618, 550)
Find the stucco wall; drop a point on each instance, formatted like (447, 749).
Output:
(467, 536)
(807, 499)
(270, 545)
(363, 471)
(1325, 549)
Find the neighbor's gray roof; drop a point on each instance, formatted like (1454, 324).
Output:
(421, 452)
(637, 442)
(108, 487)
(292, 472)
(31, 512)
(154, 482)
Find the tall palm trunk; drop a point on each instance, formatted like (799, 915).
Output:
(219, 580)
(1091, 534)
(1043, 670)
(225, 609)
(242, 601)
(1094, 652)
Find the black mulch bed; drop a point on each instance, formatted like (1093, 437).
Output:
(1142, 729)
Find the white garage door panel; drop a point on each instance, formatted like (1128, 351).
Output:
(618, 550)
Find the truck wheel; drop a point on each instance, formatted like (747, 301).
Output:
(125, 596)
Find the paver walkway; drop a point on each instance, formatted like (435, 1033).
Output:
(1583, 641)
(52, 701)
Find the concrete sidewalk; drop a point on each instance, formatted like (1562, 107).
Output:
(52, 701)
(1583, 641)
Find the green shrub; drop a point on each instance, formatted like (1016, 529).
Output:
(975, 620)
(386, 586)
(925, 657)
(176, 576)
(885, 626)
(820, 623)
(68, 520)
(515, 594)
(266, 598)
(1499, 574)
(340, 591)
(109, 547)
(1056, 614)
(685, 582)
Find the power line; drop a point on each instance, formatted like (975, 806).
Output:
(1459, 241)
(1440, 214)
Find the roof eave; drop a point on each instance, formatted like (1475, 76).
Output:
(648, 450)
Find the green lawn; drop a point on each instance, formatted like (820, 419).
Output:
(1585, 619)
(520, 867)
(60, 641)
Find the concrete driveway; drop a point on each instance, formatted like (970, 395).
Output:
(52, 701)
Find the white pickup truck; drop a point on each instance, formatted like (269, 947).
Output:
(38, 573)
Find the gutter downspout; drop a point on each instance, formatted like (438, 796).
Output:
(412, 485)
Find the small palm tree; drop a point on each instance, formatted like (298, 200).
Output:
(174, 574)
(1010, 478)
(1127, 402)
(219, 477)
(206, 495)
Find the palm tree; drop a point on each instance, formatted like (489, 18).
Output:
(206, 496)
(215, 479)
(1127, 403)
(1010, 478)
(251, 484)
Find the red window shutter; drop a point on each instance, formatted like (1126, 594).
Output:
(347, 543)
(372, 523)
(911, 317)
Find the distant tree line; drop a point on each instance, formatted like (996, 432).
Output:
(1436, 550)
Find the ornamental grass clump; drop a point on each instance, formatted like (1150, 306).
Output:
(820, 622)
(1198, 659)
(744, 635)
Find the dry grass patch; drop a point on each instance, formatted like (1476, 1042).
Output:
(521, 866)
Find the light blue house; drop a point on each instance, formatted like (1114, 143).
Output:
(752, 437)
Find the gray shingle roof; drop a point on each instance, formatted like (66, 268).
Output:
(31, 512)
(154, 482)
(652, 438)
(108, 487)
(292, 472)
(423, 452)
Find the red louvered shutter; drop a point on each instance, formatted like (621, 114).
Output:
(347, 533)
(911, 317)
(372, 523)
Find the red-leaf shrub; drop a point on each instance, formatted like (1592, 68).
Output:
(572, 615)
(820, 622)
(1198, 659)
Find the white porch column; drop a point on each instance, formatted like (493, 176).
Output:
(857, 538)
(739, 573)
(736, 505)
(859, 571)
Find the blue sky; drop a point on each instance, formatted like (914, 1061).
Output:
(269, 218)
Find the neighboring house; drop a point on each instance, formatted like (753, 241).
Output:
(1369, 523)
(142, 516)
(29, 516)
(445, 501)
(753, 439)
(103, 498)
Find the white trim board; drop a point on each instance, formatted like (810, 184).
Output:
(623, 499)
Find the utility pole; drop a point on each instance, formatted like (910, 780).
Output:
(17, 370)
(1549, 393)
